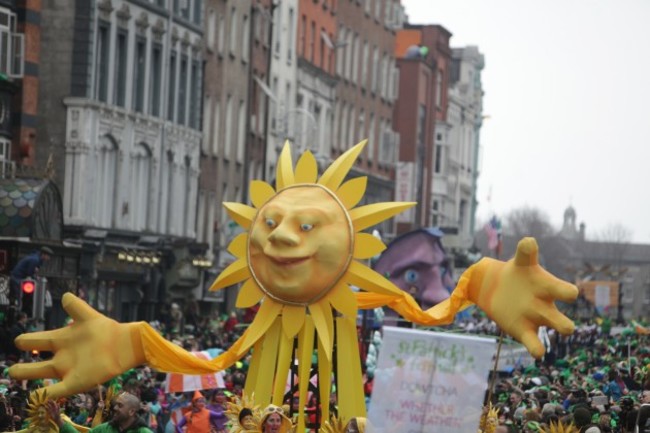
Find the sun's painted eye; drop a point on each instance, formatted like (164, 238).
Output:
(411, 276)
(270, 222)
(306, 227)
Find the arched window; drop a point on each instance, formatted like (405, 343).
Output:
(141, 182)
(106, 206)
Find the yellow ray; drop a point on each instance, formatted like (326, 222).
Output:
(238, 245)
(335, 173)
(284, 361)
(265, 317)
(362, 276)
(343, 300)
(369, 215)
(324, 376)
(241, 213)
(293, 317)
(321, 313)
(249, 294)
(236, 272)
(306, 168)
(366, 246)
(284, 174)
(305, 350)
(260, 192)
(352, 191)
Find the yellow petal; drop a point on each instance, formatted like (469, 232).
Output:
(306, 168)
(241, 213)
(321, 313)
(305, 350)
(369, 215)
(343, 300)
(284, 362)
(249, 294)
(351, 192)
(362, 276)
(324, 375)
(264, 318)
(335, 173)
(236, 272)
(366, 246)
(284, 175)
(293, 317)
(260, 192)
(238, 245)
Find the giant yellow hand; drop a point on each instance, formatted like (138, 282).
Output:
(90, 351)
(520, 295)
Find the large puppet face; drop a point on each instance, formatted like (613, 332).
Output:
(417, 264)
(300, 244)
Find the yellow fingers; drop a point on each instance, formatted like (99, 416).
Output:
(528, 337)
(33, 370)
(527, 251)
(78, 309)
(42, 341)
(553, 318)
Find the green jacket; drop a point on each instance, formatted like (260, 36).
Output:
(138, 427)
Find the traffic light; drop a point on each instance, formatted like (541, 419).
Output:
(28, 286)
(27, 290)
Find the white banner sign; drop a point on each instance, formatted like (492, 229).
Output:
(429, 382)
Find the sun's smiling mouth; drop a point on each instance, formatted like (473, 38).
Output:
(289, 261)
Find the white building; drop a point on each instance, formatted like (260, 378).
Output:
(456, 156)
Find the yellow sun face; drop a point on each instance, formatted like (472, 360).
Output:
(300, 244)
(297, 258)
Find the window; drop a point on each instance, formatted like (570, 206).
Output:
(371, 138)
(222, 34)
(439, 89)
(364, 65)
(171, 100)
(303, 35)
(241, 132)
(355, 59)
(367, 6)
(119, 98)
(5, 157)
(312, 42)
(207, 125)
(198, 11)
(435, 214)
(290, 37)
(182, 92)
(171, 196)
(106, 174)
(277, 29)
(141, 175)
(156, 73)
(349, 51)
(245, 38)
(187, 196)
(12, 46)
(212, 29)
(195, 95)
(438, 160)
(228, 125)
(323, 57)
(361, 130)
(233, 31)
(139, 68)
(350, 127)
(102, 61)
(462, 211)
(216, 137)
(378, 9)
(340, 55)
(375, 70)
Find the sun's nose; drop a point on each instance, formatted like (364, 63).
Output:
(283, 234)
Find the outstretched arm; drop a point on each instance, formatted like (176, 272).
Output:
(95, 349)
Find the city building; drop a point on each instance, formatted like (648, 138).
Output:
(424, 59)
(455, 162)
(120, 117)
(366, 92)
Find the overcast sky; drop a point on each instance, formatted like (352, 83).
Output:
(567, 89)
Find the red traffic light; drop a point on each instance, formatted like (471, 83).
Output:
(28, 286)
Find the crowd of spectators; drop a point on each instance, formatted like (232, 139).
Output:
(597, 381)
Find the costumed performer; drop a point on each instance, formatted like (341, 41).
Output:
(200, 419)
(302, 250)
(274, 420)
